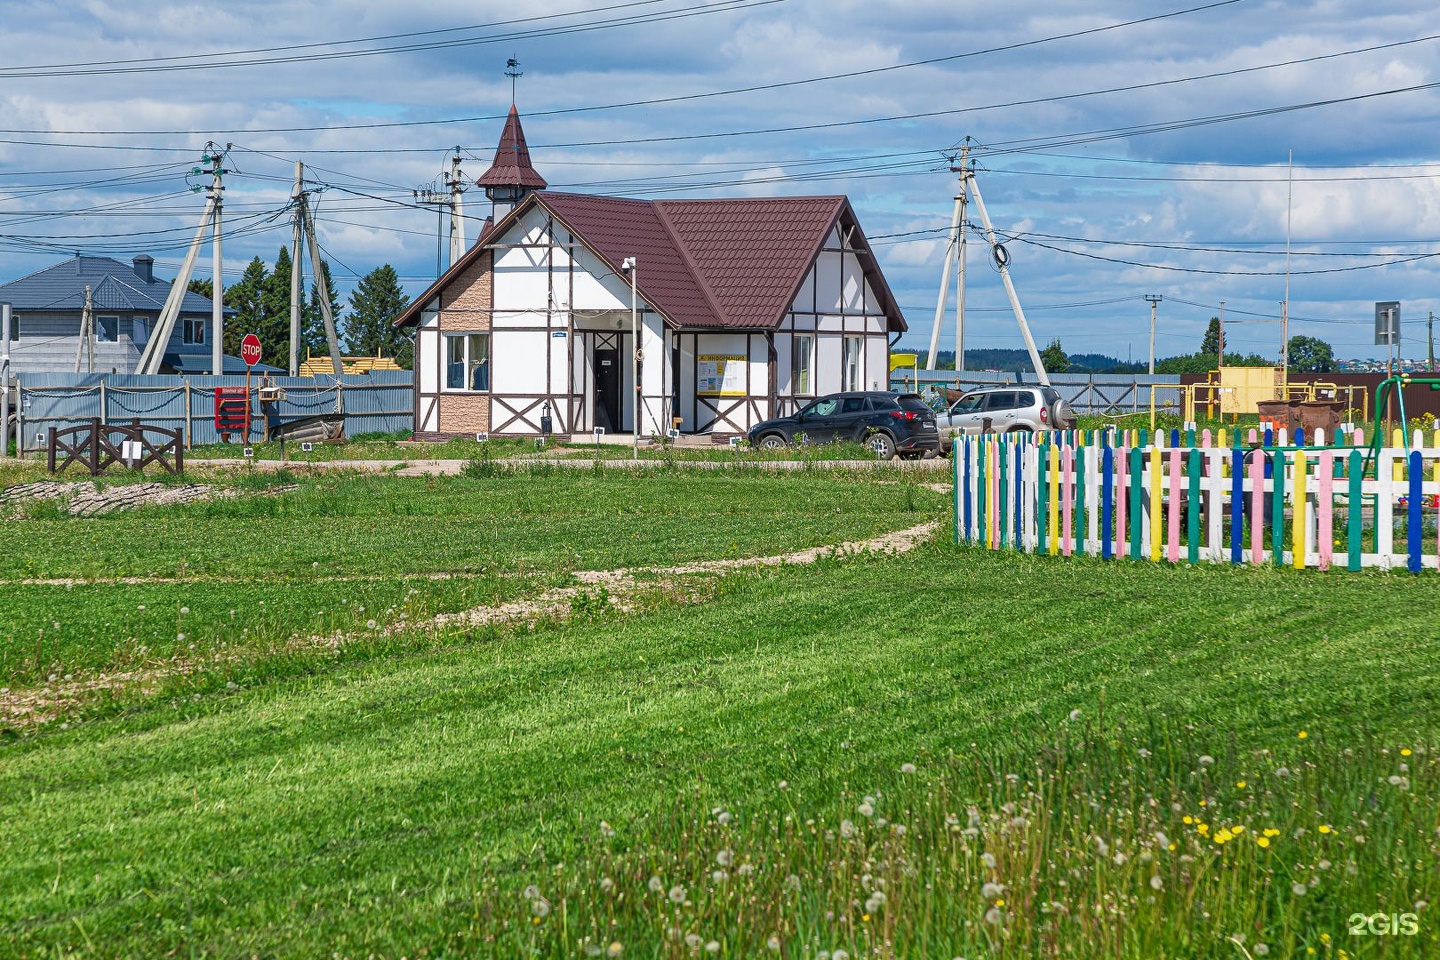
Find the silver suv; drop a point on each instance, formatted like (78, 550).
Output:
(1008, 409)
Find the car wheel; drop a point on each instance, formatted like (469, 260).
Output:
(882, 445)
(772, 441)
(1020, 429)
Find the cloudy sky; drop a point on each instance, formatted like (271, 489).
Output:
(1122, 147)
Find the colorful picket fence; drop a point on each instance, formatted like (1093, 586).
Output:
(1182, 498)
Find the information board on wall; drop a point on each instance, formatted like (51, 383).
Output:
(720, 376)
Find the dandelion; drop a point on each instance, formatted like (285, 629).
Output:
(541, 908)
(179, 638)
(1075, 715)
(992, 891)
(185, 611)
(677, 894)
(1261, 949)
(1156, 883)
(847, 829)
(370, 624)
(724, 858)
(772, 943)
(606, 830)
(1323, 864)
(141, 608)
(866, 810)
(1144, 754)
(1299, 889)
(792, 883)
(1282, 772)
(713, 946)
(988, 859)
(1324, 828)
(720, 876)
(1405, 751)
(1206, 760)
(1202, 827)
(531, 892)
(615, 949)
(692, 940)
(1120, 859)
(1271, 832)
(993, 916)
(783, 784)
(1262, 842)
(606, 884)
(745, 869)
(1240, 784)
(910, 767)
(840, 955)
(1301, 735)
(723, 817)
(656, 885)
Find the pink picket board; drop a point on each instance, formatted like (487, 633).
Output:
(1172, 514)
(1324, 516)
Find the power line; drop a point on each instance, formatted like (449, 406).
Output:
(198, 61)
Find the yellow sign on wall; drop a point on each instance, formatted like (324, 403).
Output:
(720, 376)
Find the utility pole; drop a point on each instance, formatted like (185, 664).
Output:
(321, 287)
(1002, 261)
(1220, 349)
(87, 333)
(4, 380)
(217, 274)
(451, 197)
(1154, 300)
(1430, 333)
(1285, 307)
(457, 210)
(954, 256)
(297, 262)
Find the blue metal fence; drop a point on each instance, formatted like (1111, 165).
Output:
(381, 401)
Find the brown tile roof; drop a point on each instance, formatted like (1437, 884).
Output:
(734, 263)
(512, 159)
(717, 263)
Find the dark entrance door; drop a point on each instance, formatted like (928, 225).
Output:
(607, 389)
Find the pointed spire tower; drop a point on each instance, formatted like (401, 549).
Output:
(510, 178)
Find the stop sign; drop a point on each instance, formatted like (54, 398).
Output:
(250, 349)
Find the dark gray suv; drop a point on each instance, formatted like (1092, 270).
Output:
(887, 423)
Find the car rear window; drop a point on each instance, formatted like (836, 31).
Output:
(1001, 401)
(913, 402)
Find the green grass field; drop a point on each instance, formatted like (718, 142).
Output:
(942, 753)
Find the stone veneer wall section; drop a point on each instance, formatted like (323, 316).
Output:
(466, 301)
(465, 413)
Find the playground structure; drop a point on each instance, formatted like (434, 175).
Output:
(1178, 497)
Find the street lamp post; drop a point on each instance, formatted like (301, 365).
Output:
(628, 265)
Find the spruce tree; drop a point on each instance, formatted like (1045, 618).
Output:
(374, 305)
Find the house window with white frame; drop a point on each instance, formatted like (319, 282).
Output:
(107, 329)
(467, 362)
(850, 366)
(802, 348)
(193, 329)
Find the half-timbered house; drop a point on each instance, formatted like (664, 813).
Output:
(743, 309)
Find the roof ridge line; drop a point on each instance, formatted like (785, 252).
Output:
(701, 283)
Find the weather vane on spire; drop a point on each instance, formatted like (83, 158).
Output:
(512, 70)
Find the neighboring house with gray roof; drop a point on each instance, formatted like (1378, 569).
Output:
(126, 300)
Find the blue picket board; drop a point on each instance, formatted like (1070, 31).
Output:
(1414, 535)
(1107, 508)
(1237, 503)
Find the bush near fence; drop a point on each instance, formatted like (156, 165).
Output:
(1251, 499)
(378, 402)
